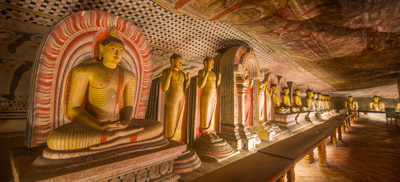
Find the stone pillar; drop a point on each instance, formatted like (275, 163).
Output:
(249, 139)
(339, 130)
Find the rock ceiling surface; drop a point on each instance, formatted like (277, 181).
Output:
(327, 45)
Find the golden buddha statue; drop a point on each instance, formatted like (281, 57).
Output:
(275, 100)
(328, 97)
(310, 100)
(297, 100)
(315, 101)
(376, 105)
(320, 102)
(325, 99)
(286, 101)
(108, 91)
(350, 104)
(208, 80)
(176, 83)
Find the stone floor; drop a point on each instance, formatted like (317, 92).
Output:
(370, 151)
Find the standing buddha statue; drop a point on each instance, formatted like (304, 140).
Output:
(376, 105)
(176, 83)
(208, 80)
(100, 104)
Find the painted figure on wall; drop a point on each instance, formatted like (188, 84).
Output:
(100, 103)
(350, 104)
(376, 105)
(208, 80)
(176, 83)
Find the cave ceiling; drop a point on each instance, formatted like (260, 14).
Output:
(331, 46)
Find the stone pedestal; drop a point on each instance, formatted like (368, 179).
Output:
(187, 162)
(311, 117)
(322, 115)
(301, 119)
(114, 165)
(286, 120)
(265, 131)
(211, 147)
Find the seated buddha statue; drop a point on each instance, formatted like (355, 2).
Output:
(350, 104)
(315, 101)
(297, 100)
(328, 97)
(310, 100)
(275, 100)
(325, 99)
(320, 102)
(286, 101)
(376, 105)
(100, 104)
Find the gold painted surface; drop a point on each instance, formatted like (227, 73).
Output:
(208, 80)
(176, 83)
(98, 124)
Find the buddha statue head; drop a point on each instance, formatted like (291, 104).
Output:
(376, 98)
(319, 96)
(350, 98)
(310, 93)
(297, 92)
(176, 61)
(329, 98)
(208, 62)
(111, 50)
(274, 88)
(286, 90)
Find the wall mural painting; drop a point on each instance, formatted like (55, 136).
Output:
(17, 55)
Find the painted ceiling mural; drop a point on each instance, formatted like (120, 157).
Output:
(325, 44)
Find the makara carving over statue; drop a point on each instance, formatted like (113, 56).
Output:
(100, 103)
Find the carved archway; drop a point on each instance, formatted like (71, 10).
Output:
(68, 44)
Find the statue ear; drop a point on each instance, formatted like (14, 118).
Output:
(101, 48)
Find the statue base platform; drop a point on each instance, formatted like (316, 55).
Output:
(187, 162)
(311, 117)
(287, 120)
(211, 147)
(322, 115)
(149, 165)
(301, 118)
(266, 131)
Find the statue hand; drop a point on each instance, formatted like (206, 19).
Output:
(188, 75)
(118, 125)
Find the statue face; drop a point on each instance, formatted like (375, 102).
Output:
(274, 89)
(209, 64)
(297, 92)
(376, 99)
(351, 99)
(176, 64)
(310, 94)
(286, 91)
(112, 52)
(320, 96)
